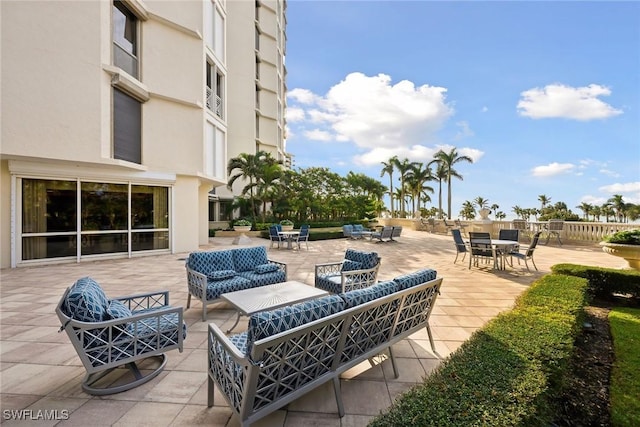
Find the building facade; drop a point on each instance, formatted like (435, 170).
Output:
(115, 126)
(256, 44)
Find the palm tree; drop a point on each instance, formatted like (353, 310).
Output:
(416, 180)
(247, 167)
(544, 201)
(586, 208)
(618, 205)
(389, 168)
(403, 167)
(440, 175)
(449, 160)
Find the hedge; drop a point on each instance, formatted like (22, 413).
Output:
(604, 282)
(507, 373)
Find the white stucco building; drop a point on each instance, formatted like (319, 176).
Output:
(117, 123)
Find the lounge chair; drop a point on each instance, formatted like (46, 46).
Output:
(383, 235)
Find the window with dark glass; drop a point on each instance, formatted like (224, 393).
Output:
(125, 39)
(127, 132)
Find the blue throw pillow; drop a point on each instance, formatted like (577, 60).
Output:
(348, 265)
(117, 310)
(221, 274)
(266, 268)
(86, 301)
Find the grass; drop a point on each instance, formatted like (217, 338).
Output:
(625, 378)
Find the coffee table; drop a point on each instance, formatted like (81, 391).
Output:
(268, 297)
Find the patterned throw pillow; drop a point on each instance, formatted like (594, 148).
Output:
(86, 301)
(117, 310)
(348, 265)
(221, 274)
(415, 278)
(266, 268)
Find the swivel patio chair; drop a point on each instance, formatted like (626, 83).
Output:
(122, 332)
(461, 247)
(357, 270)
(528, 252)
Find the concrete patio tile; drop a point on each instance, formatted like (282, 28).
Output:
(177, 387)
(150, 414)
(198, 415)
(39, 367)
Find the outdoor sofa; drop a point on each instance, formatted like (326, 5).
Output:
(213, 273)
(287, 352)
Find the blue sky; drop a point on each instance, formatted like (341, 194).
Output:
(544, 96)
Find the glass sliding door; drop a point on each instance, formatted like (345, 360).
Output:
(149, 218)
(104, 224)
(48, 219)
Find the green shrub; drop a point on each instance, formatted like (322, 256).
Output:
(604, 282)
(625, 377)
(626, 237)
(508, 372)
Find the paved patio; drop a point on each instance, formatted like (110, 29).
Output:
(39, 369)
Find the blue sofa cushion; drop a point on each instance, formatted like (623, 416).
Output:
(367, 259)
(330, 283)
(221, 274)
(86, 301)
(268, 323)
(117, 310)
(415, 278)
(246, 259)
(261, 279)
(265, 268)
(206, 262)
(348, 265)
(361, 296)
(215, 288)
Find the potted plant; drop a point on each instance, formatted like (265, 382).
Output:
(625, 244)
(286, 225)
(242, 225)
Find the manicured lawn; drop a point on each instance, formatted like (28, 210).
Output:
(625, 378)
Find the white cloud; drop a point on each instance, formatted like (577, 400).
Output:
(416, 153)
(552, 169)
(373, 112)
(303, 96)
(485, 109)
(318, 135)
(464, 131)
(593, 200)
(295, 114)
(610, 173)
(617, 188)
(560, 101)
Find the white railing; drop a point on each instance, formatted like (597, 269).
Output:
(218, 102)
(573, 231)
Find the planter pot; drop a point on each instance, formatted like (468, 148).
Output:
(287, 227)
(242, 228)
(631, 253)
(484, 214)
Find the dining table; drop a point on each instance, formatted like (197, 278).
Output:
(289, 236)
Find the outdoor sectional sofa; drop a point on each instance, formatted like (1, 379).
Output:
(213, 273)
(287, 352)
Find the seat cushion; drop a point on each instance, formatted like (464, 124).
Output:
(221, 274)
(207, 262)
(415, 278)
(261, 279)
(86, 301)
(268, 323)
(246, 259)
(215, 288)
(330, 283)
(367, 259)
(361, 296)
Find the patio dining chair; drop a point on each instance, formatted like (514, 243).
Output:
(274, 236)
(481, 249)
(554, 228)
(303, 236)
(522, 227)
(460, 225)
(527, 254)
(461, 247)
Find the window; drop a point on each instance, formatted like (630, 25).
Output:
(127, 132)
(50, 227)
(214, 29)
(215, 90)
(125, 39)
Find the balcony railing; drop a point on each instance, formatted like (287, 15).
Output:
(214, 103)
